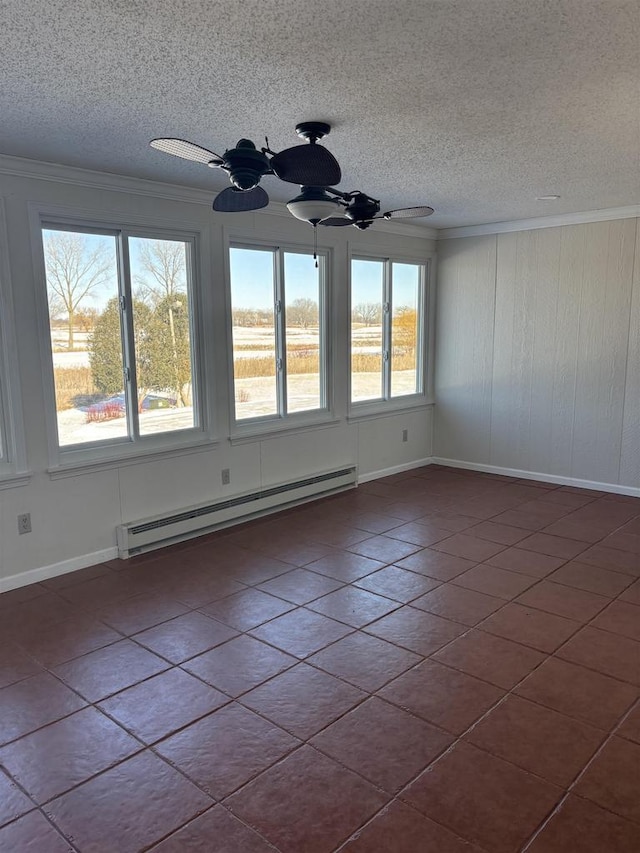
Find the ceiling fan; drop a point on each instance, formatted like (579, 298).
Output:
(311, 166)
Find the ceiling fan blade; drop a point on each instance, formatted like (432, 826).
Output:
(184, 149)
(408, 212)
(307, 165)
(233, 200)
(336, 221)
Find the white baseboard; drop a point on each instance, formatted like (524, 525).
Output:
(614, 488)
(396, 469)
(53, 571)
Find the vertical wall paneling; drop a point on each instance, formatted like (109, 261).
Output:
(630, 444)
(464, 347)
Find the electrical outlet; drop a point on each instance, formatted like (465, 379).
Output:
(405, 435)
(226, 476)
(24, 523)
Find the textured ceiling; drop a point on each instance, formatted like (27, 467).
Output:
(472, 106)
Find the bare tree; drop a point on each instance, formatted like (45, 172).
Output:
(302, 312)
(369, 313)
(163, 270)
(74, 268)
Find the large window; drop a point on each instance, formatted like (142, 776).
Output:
(388, 321)
(278, 326)
(121, 332)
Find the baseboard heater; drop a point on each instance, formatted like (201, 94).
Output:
(159, 531)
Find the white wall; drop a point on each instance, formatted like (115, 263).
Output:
(74, 517)
(538, 352)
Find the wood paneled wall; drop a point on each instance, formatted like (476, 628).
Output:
(538, 351)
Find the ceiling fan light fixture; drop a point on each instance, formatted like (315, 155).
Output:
(313, 205)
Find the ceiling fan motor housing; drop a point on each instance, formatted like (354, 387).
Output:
(362, 210)
(245, 165)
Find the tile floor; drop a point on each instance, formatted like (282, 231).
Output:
(438, 662)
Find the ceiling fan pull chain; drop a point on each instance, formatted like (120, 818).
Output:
(315, 244)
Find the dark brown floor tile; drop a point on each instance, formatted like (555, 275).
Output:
(34, 702)
(185, 636)
(620, 618)
(199, 589)
(62, 755)
(537, 739)
(583, 531)
(436, 564)
(303, 700)
(611, 780)
(365, 661)
(255, 569)
(563, 601)
(396, 583)
(79, 576)
(494, 581)
(140, 612)
(591, 578)
(110, 670)
(160, 705)
(298, 552)
(530, 563)
(468, 547)
(400, 829)
(623, 541)
(554, 546)
(239, 665)
(15, 664)
(452, 521)
(338, 535)
(483, 798)
(632, 593)
(345, 566)
(239, 744)
(54, 644)
(610, 654)
(13, 597)
(579, 826)
(23, 618)
(353, 606)
(524, 519)
(383, 743)
(490, 658)
(216, 827)
(419, 533)
(459, 604)
(307, 803)
(132, 805)
(579, 692)
(301, 632)
(630, 728)
(441, 695)
(13, 802)
(300, 586)
(93, 594)
(535, 628)
(384, 549)
(611, 558)
(32, 834)
(416, 630)
(503, 534)
(247, 609)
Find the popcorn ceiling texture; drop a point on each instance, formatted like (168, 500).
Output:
(472, 106)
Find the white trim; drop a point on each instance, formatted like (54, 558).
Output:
(396, 469)
(56, 172)
(604, 215)
(264, 433)
(11, 481)
(613, 488)
(55, 569)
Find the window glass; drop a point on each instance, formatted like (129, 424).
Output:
(367, 314)
(303, 339)
(405, 329)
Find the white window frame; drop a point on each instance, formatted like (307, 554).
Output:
(424, 397)
(13, 465)
(65, 458)
(283, 422)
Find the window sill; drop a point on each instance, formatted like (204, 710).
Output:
(73, 468)
(265, 432)
(12, 481)
(387, 409)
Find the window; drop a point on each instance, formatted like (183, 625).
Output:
(388, 329)
(278, 311)
(122, 334)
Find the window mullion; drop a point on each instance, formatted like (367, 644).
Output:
(128, 339)
(386, 331)
(281, 333)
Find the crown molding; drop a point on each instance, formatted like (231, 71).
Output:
(630, 212)
(40, 170)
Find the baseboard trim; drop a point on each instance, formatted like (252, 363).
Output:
(614, 488)
(55, 569)
(395, 469)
